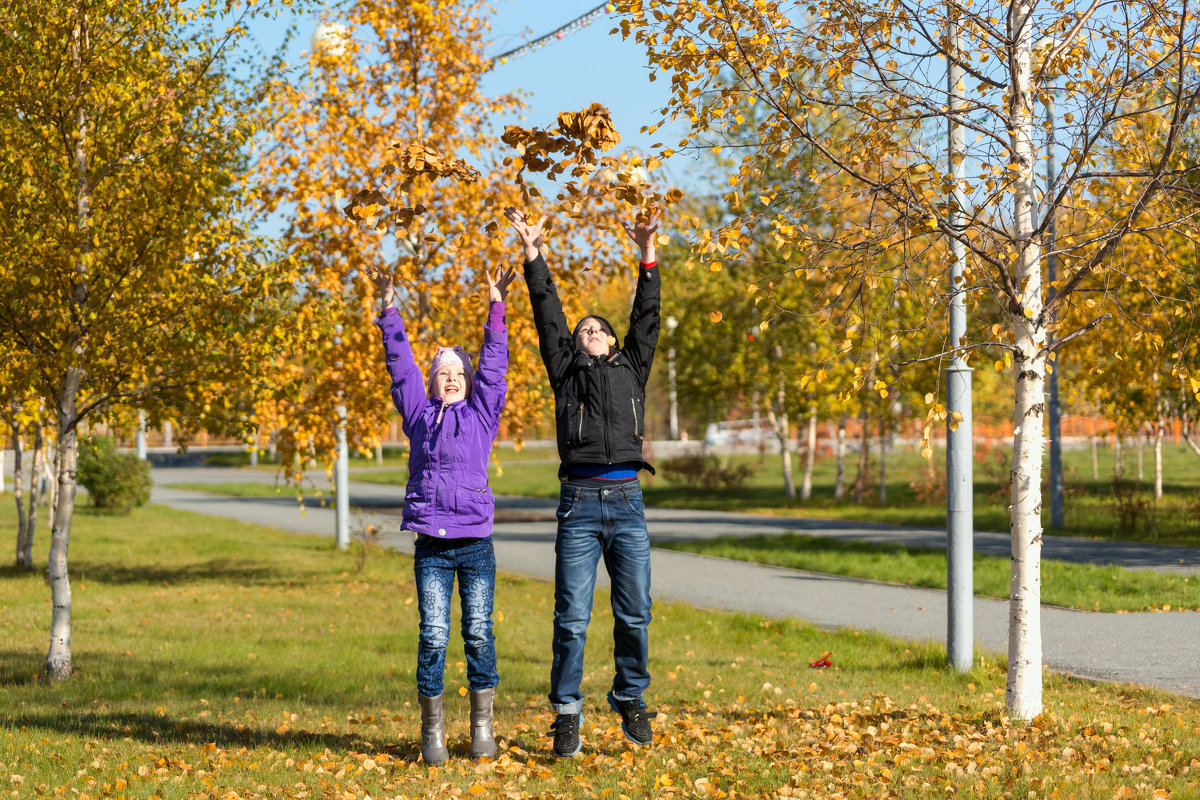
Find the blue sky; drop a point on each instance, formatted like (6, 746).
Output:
(585, 66)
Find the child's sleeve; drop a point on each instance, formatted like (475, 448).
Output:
(408, 384)
(554, 337)
(491, 384)
(642, 337)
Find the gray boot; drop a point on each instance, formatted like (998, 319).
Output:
(483, 743)
(433, 730)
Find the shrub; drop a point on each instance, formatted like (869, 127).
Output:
(700, 471)
(116, 481)
(1132, 509)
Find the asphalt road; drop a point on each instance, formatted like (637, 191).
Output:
(1154, 649)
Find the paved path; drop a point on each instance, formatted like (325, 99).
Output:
(1154, 649)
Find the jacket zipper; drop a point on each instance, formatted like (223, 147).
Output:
(604, 412)
(633, 402)
(579, 433)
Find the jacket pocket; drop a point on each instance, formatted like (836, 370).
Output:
(575, 424)
(474, 506)
(639, 416)
(417, 505)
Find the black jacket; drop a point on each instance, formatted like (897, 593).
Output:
(599, 401)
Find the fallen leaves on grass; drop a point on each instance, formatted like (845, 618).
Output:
(861, 748)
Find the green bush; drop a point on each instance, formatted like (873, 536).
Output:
(116, 481)
(704, 472)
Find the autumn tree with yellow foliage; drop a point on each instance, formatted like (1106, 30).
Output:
(389, 158)
(864, 86)
(127, 274)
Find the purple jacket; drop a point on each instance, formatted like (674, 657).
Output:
(449, 443)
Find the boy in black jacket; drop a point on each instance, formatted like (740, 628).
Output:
(599, 400)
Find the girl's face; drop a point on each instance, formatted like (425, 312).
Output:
(450, 383)
(592, 338)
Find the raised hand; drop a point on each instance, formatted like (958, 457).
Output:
(498, 283)
(382, 278)
(643, 234)
(531, 234)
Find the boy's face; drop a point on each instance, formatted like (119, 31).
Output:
(591, 337)
(450, 383)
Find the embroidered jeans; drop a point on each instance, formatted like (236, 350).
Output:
(437, 563)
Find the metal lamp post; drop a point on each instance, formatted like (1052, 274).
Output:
(960, 499)
(341, 479)
(672, 323)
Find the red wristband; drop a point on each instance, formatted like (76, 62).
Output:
(650, 264)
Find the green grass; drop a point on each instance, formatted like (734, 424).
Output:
(249, 489)
(1083, 586)
(213, 657)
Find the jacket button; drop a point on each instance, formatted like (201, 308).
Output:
(441, 531)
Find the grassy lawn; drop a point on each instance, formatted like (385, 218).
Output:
(232, 489)
(393, 457)
(220, 660)
(1083, 586)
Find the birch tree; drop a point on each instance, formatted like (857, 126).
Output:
(875, 106)
(127, 272)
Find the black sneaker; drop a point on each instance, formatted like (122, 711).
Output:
(635, 719)
(565, 730)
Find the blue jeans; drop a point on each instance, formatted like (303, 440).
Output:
(595, 522)
(437, 561)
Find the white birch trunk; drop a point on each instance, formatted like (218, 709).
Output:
(1140, 446)
(864, 456)
(1159, 433)
(1024, 689)
(18, 483)
(58, 657)
(1118, 457)
(35, 468)
(50, 473)
(839, 484)
(782, 428)
(810, 456)
(1095, 457)
(883, 446)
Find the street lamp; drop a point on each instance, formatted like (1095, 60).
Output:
(341, 484)
(672, 323)
(960, 504)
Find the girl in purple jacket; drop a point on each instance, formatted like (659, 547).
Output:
(451, 422)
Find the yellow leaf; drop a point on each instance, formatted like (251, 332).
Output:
(715, 316)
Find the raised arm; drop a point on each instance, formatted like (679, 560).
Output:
(642, 338)
(554, 337)
(490, 377)
(408, 384)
